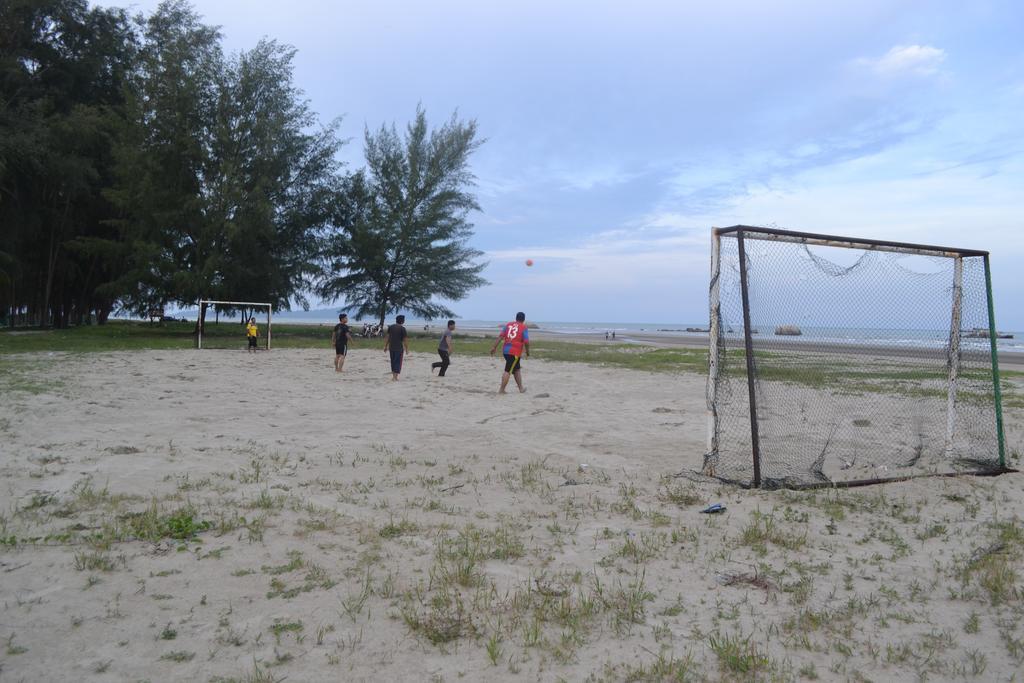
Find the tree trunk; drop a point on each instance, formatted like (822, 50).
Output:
(103, 312)
(51, 266)
(200, 321)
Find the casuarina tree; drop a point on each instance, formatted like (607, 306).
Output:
(401, 231)
(226, 178)
(63, 67)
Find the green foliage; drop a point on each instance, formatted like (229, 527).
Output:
(401, 226)
(221, 185)
(63, 66)
(140, 165)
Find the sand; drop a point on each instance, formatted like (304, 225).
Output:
(360, 529)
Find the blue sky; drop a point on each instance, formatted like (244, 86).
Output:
(619, 133)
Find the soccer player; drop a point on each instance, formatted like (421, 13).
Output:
(397, 340)
(444, 349)
(252, 333)
(517, 340)
(340, 339)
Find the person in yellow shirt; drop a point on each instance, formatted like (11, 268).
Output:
(252, 333)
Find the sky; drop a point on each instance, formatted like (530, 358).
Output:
(618, 133)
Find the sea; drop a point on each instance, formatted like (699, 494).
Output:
(625, 332)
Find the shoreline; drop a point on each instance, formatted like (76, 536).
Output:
(1011, 360)
(1006, 358)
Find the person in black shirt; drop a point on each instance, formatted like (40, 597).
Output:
(340, 339)
(395, 342)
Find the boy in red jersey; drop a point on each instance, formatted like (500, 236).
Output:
(517, 339)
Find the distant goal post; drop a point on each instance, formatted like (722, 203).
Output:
(838, 360)
(246, 309)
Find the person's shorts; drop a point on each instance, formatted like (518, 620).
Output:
(513, 363)
(252, 342)
(341, 349)
(396, 359)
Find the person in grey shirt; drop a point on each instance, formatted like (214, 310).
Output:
(444, 349)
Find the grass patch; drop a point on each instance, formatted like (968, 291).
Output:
(395, 529)
(663, 668)
(26, 377)
(13, 649)
(280, 628)
(994, 566)
(629, 356)
(764, 529)
(95, 560)
(680, 495)
(459, 558)
(178, 656)
(153, 525)
(257, 675)
(444, 621)
(738, 655)
(294, 562)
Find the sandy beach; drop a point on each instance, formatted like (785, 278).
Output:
(219, 516)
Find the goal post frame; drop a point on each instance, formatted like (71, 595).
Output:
(995, 364)
(813, 238)
(207, 302)
(743, 232)
(748, 347)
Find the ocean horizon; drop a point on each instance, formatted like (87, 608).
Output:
(930, 338)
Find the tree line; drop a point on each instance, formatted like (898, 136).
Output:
(142, 166)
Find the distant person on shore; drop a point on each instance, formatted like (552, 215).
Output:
(252, 333)
(613, 334)
(397, 340)
(444, 349)
(517, 340)
(340, 339)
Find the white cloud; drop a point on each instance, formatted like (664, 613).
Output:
(593, 177)
(605, 246)
(906, 60)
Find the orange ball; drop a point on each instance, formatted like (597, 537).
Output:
(529, 261)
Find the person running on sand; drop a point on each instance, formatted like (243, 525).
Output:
(397, 340)
(252, 333)
(444, 349)
(517, 339)
(340, 339)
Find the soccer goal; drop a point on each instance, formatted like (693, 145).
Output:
(231, 332)
(842, 361)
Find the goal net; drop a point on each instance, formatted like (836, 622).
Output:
(835, 359)
(225, 324)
